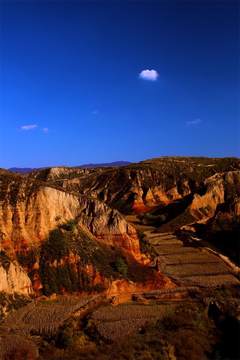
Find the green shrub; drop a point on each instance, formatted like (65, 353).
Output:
(69, 226)
(121, 266)
(56, 246)
(65, 337)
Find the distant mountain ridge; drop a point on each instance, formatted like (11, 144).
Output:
(21, 170)
(84, 166)
(111, 164)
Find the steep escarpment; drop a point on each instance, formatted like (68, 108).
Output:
(30, 209)
(221, 189)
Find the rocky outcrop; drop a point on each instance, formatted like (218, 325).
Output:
(222, 190)
(64, 241)
(13, 279)
(26, 220)
(123, 290)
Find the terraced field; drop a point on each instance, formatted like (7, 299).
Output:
(23, 329)
(45, 317)
(189, 265)
(113, 323)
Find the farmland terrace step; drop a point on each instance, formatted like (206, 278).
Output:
(213, 280)
(157, 236)
(162, 237)
(158, 242)
(202, 273)
(207, 267)
(167, 250)
(171, 291)
(183, 262)
(188, 265)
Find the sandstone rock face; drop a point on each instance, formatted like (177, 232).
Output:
(127, 189)
(29, 220)
(26, 221)
(30, 210)
(13, 279)
(220, 189)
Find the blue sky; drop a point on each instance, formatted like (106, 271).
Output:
(71, 90)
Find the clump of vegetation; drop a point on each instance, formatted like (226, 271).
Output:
(62, 278)
(121, 266)
(56, 246)
(69, 225)
(58, 274)
(56, 278)
(71, 335)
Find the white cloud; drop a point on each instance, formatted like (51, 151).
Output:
(150, 75)
(45, 130)
(193, 122)
(28, 127)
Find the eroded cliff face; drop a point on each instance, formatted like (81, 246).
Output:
(36, 209)
(138, 188)
(221, 190)
(64, 241)
(128, 190)
(29, 220)
(13, 279)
